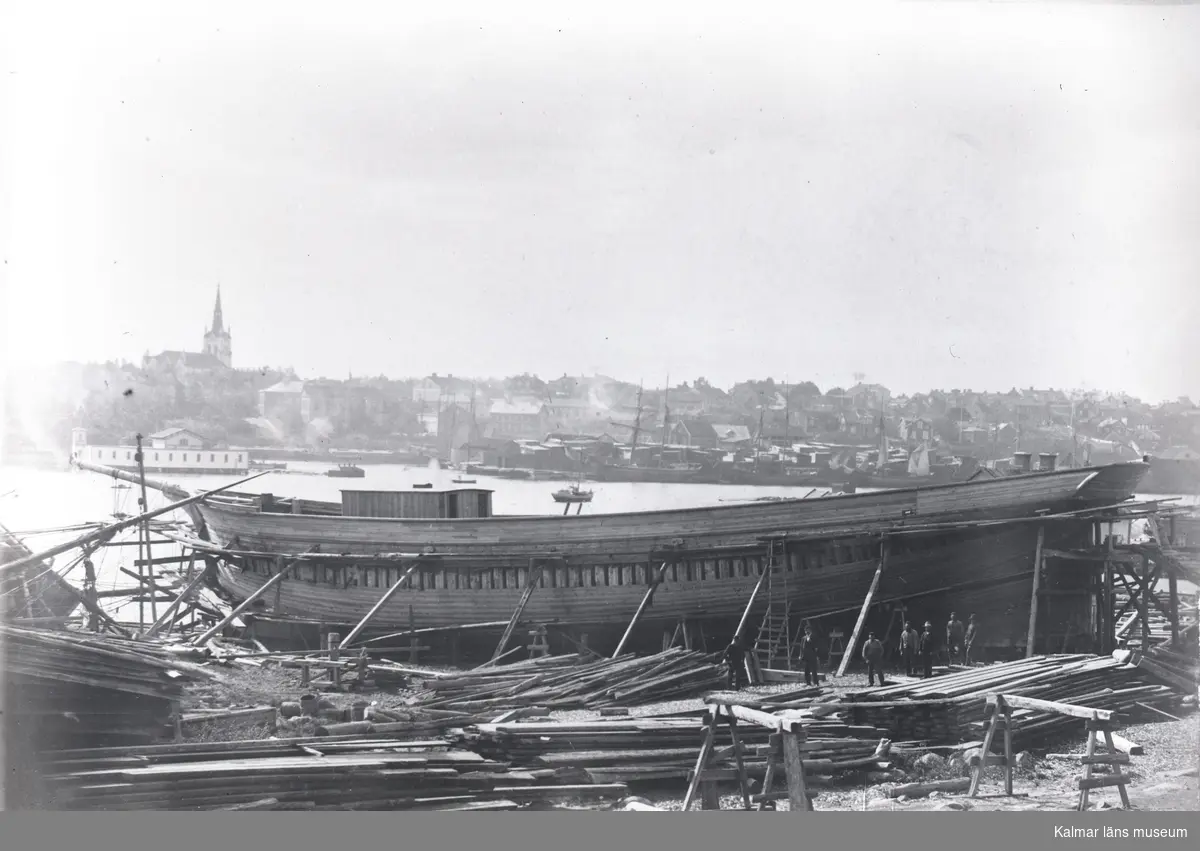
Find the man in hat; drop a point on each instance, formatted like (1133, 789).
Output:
(808, 655)
(972, 634)
(873, 655)
(954, 638)
(909, 640)
(735, 658)
(926, 649)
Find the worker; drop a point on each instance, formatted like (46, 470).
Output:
(873, 655)
(926, 649)
(972, 634)
(808, 655)
(909, 639)
(735, 657)
(954, 638)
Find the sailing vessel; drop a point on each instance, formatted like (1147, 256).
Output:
(575, 494)
(473, 566)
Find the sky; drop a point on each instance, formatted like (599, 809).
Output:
(958, 195)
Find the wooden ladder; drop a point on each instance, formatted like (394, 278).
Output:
(774, 639)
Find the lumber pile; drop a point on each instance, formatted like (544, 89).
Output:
(1173, 662)
(67, 688)
(952, 708)
(664, 748)
(575, 682)
(313, 774)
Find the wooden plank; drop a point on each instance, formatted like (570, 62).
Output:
(848, 654)
(1037, 584)
(1019, 702)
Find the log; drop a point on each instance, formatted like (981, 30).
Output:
(1127, 747)
(266, 713)
(921, 790)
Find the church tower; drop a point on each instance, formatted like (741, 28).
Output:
(218, 341)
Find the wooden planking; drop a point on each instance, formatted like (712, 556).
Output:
(728, 525)
(445, 599)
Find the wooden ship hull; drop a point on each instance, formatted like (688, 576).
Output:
(36, 591)
(596, 568)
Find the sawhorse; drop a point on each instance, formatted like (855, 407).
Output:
(786, 743)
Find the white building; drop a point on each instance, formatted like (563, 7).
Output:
(174, 450)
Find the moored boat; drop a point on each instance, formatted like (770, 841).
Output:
(346, 471)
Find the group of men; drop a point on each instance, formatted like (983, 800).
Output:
(923, 647)
(917, 651)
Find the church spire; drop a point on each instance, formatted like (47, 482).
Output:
(218, 324)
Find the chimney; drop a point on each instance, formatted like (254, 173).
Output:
(1048, 460)
(1022, 461)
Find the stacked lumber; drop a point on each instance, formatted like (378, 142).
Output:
(575, 682)
(664, 748)
(953, 708)
(341, 774)
(1174, 662)
(67, 688)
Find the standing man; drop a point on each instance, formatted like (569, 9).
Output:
(873, 656)
(926, 649)
(972, 634)
(735, 657)
(808, 654)
(909, 639)
(954, 638)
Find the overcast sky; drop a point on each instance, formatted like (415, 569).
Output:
(935, 194)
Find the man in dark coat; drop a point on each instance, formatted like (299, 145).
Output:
(909, 640)
(735, 658)
(972, 634)
(873, 656)
(808, 655)
(954, 638)
(926, 649)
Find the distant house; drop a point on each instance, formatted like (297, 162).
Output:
(284, 400)
(518, 419)
(568, 414)
(871, 397)
(493, 451)
(859, 425)
(916, 430)
(177, 438)
(443, 390)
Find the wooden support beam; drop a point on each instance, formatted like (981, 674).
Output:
(793, 767)
(536, 568)
(1037, 584)
(387, 595)
(647, 599)
(245, 604)
(166, 616)
(181, 559)
(848, 654)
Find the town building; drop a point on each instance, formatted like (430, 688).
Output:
(173, 450)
